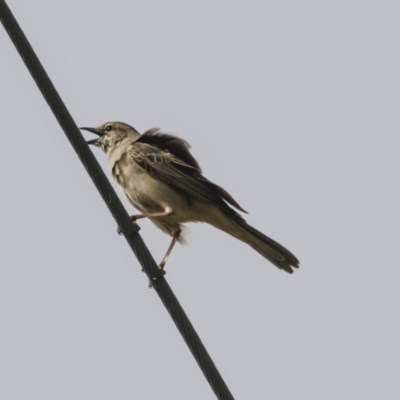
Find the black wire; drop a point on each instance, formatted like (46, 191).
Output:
(109, 196)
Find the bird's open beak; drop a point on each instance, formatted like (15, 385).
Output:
(93, 130)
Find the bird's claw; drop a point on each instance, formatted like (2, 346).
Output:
(161, 274)
(133, 218)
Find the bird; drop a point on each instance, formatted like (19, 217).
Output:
(159, 176)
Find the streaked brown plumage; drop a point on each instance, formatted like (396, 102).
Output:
(160, 178)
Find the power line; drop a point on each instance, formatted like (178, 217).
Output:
(130, 230)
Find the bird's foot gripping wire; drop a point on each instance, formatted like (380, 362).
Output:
(134, 218)
(161, 273)
(150, 215)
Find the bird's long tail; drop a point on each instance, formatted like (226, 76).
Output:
(268, 248)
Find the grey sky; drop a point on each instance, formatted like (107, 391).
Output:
(303, 98)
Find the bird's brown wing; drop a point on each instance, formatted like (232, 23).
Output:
(167, 158)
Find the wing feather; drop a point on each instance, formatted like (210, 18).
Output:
(167, 158)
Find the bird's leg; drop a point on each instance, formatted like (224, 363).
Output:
(171, 246)
(164, 260)
(164, 213)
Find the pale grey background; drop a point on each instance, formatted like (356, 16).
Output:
(293, 107)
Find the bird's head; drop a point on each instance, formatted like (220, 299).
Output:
(111, 134)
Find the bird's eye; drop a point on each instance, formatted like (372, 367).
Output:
(108, 128)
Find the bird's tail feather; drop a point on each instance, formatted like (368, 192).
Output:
(268, 248)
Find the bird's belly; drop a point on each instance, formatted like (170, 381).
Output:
(150, 195)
